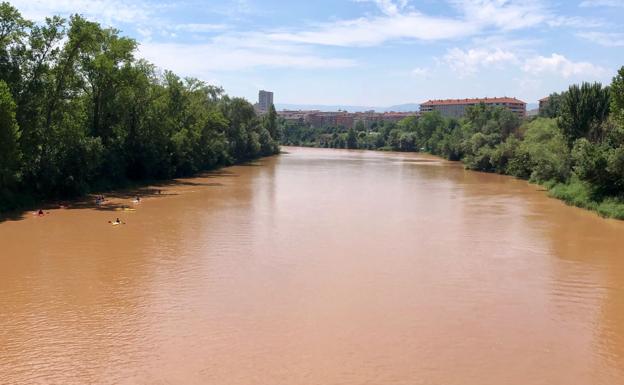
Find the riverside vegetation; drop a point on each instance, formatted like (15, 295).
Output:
(575, 148)
(78, 113)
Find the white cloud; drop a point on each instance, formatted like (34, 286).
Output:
(377, 30)
(467, 62)
(602, 3)
(199, 28)
(504, 14)
(420, 72)
(607, 39)
(202, 60)
(562, 66)
(576, 22)
(107, 11)
(389, 7)
(399, 21)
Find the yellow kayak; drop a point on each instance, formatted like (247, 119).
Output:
(124, 209)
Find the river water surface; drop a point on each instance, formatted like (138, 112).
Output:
(317, 267)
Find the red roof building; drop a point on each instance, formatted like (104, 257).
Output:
(543, 102)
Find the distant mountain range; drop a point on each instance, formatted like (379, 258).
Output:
(408, 107)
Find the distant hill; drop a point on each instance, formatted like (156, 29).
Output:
(408, 107)
(398, 108)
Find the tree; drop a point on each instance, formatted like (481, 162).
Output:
(552, 108)
(79, 112)
(352, 140)
(12, 24)
(270, 123)
(543, 155)
(583, 111)
(9, 135)
(617, 96)
(13, 30)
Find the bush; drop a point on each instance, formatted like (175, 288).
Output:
(600, 165)
(503, 154)
(581, 194)
(544, 152)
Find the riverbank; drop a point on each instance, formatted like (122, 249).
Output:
(117, 196)
(579, 194)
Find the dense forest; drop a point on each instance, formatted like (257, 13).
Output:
(575, 147)
(79, 112)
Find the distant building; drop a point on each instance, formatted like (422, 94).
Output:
(456, 108)
(543, 103)
(265, 100)
(319, 119)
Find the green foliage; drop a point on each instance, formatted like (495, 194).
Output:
(617, 96)
(505, 153)
(601, 165)
(552, 109)
(581, 194)
(12, 25)
(544, 153)
(78, 111)
(352, 139)
(10, 154)
(269, 122)
(584, 110)
(483, 135)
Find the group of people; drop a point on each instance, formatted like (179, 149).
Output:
(99, 200)
(118, 221)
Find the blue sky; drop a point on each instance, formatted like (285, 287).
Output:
(369, 52)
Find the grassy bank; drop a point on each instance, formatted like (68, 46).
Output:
(580, 194)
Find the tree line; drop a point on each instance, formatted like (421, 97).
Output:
(575, 147)
(79, 112)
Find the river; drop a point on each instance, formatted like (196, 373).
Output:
(316, 267)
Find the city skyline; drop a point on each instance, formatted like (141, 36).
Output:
(370, 53)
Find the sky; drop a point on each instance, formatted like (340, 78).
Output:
(369, 52)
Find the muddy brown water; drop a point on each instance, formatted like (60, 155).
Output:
(317, 267)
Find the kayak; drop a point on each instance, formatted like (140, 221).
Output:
(124, 209)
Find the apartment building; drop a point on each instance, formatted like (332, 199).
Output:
(265, 100)
(318, 119)
(456, 108)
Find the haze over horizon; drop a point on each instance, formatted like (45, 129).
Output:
(369, 53)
